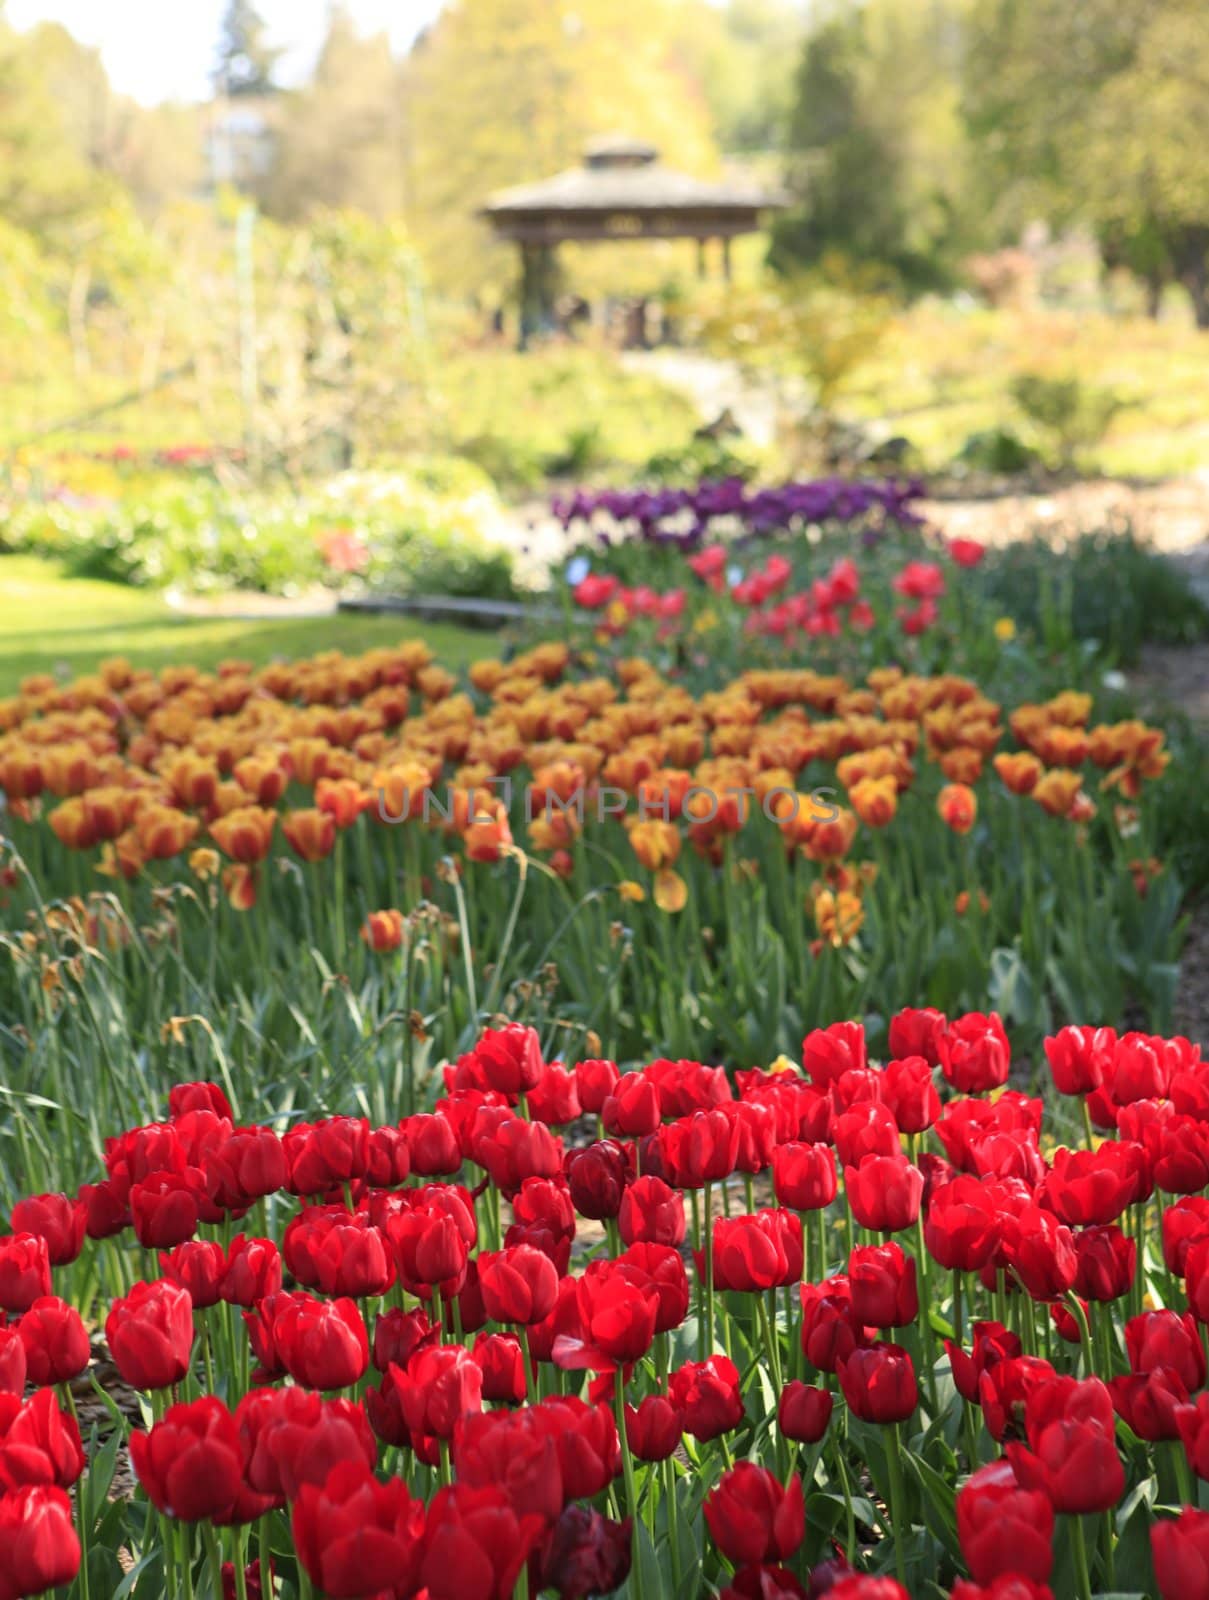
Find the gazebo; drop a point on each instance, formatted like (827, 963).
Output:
(622, 191)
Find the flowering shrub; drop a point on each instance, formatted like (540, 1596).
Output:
(860, 1327)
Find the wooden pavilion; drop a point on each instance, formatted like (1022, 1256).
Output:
(621, 191)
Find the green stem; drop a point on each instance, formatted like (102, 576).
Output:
(1079, 1547)
(627, 1466)
(709, 1270)
(673, 1519)
(897, 1510)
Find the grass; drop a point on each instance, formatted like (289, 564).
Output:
(53, 623)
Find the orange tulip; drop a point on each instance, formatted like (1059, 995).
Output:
(383, 930)
(485, 840)
(239, 884)
(194, 780)
(245, 834)
(1055, 791)
(262, 777)
(875, 801)
(21, 775)
(656, 844)
(343, 798)
(957, 806)
(72, 825)
(1018, 771)
(163, 831)
(311, 833)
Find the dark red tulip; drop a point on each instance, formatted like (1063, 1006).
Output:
(596, 1177)
(992, 1343)
(502, 1362)
(830, 1329)
(1106, 1260)
(1166, 1339)
(1148, 1402)
(584, 1554)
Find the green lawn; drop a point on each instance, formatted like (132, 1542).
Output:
(53, 623)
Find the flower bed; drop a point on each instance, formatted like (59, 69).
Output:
(543, 1339)
(809, 838)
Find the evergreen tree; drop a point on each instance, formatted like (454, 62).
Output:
(245, 61)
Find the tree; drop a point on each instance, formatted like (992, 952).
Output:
(876, 147)
(245, 60)
(340, 142)
(1100, 113)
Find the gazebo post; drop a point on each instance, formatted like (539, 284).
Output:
(726, 268)
(701, 262)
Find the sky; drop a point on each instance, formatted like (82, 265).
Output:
(164, 49)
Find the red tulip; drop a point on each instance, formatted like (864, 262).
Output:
(827, 1053)
(441, 1384)
(397, 1334)
(596, 1176)
(294, 1436)
(751, 1517)
(519, 1285)
(54, 1341)
(515, 1451)
(253, 1271)
(974, 1053)
(356, 1536)
(961, 1228)
(803, 1176)
(56, 1218)
(908, 1090)
(39, 1443)
(1041, 1252)
(197, 1265)
(632, 1109)
(150, 1334)
(878, 1382)
(651, 1212)
(41, 1550)
(1180, 1549)
(322, 1344)
(653, 1428)
(706, 1394)
(190, 1464)
(596, 1080)
(1193, 1423)
(881, 1281)
(502, 1363)
(803, 1412)
(1003, 1528)
(1166, 1339)
(433, 1144)
(24, 1270)
(324, 1155)
(885, 1192)
(1148, 1402)
(917, 1033)
(475, 1543)
(752, 1254)
(992, 1343)
(700, 1148)
(585, 1553)
(1106, 1260)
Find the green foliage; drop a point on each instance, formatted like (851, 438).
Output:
(1074, 416)
(996, 450)
(1108, 588)
(389, 532)
(702, 458)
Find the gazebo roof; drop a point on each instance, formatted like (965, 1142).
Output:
(623, 189)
